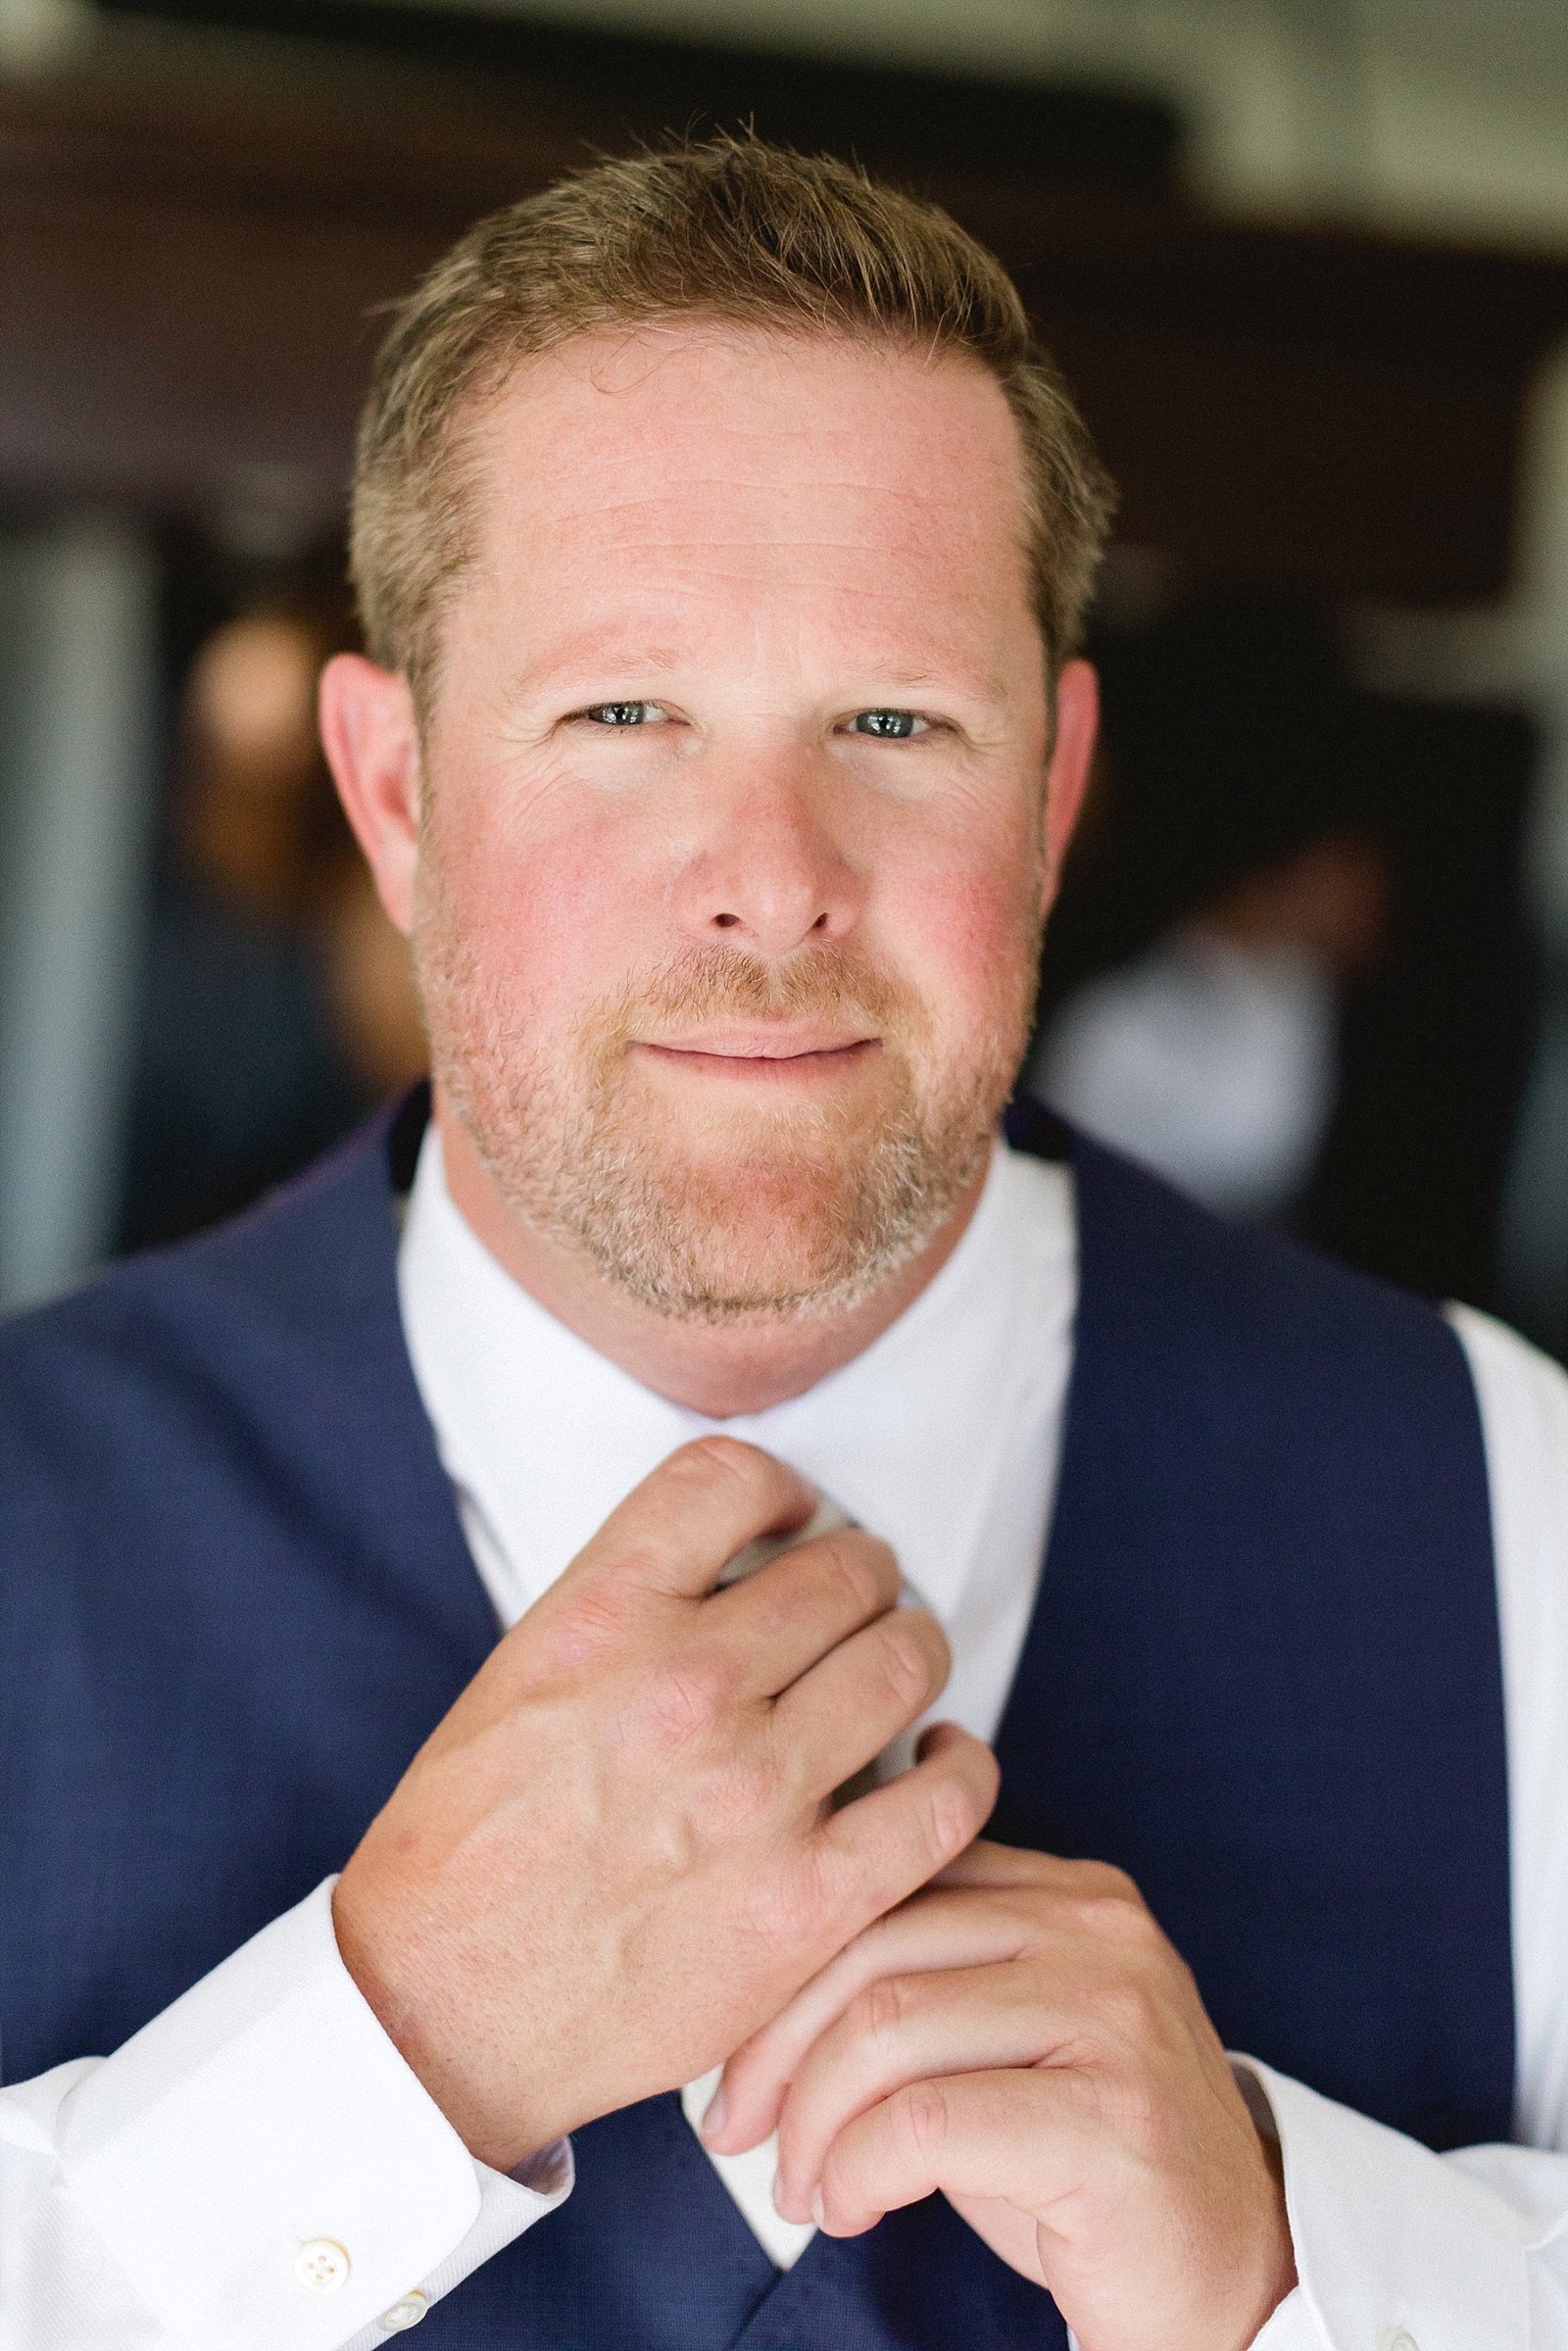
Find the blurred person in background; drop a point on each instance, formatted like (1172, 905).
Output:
(723, 538)
(1213, 1055)
(278, 1005)
(1290, 964)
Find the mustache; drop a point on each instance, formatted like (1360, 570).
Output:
(706, 983)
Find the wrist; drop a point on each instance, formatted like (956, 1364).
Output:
(409, 2001)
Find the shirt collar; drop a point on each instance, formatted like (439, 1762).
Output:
(543, 1436)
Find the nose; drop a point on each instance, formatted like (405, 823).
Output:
(764, 869)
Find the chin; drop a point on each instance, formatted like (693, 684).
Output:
(736, 1238)
(745, 1212)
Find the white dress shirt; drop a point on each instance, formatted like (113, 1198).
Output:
(257, 2170)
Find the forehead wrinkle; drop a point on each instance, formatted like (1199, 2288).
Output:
(833, 592)
(712, 559)
(769, 563)
(855, 479)
(986, 684)
(659, 524)
(834, 460)
(674, 485)
(776, 558)
(592, 649)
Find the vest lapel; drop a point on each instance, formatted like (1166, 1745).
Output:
(324, 1303)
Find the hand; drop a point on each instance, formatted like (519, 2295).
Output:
(617, 1854)
(1023, 2036)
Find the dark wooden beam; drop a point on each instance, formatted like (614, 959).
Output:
(622, 84)
(1297, 407)
(195, 235)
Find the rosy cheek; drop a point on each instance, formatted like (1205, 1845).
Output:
(962, 928)
(552, 910)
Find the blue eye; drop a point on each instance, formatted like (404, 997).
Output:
(888, 726)
(623, 714)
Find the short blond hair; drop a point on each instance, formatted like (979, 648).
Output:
(728, 229)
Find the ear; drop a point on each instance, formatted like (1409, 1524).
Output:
(372, 740)
(1071, 756)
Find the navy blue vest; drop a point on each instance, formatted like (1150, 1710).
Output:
(1263, 1675)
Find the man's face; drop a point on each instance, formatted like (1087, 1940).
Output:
(731, 865)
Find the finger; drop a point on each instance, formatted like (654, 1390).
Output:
(872, 1854)
(1020, 2135)
(985, 1864)
(900, 2030)
(934, 1931)
(673, 1535)
(835, 1718)
(785, 1618)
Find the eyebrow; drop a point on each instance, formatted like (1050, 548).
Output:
(576, 656)
(985, 685)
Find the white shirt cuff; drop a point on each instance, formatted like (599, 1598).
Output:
(266, 2168)
(1391, 2240)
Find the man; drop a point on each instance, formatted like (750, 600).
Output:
(721, 539)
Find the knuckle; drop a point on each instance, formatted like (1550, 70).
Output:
(919, 2116)
(713, 1460)
(1127, 2011)
(1100, 1918)
(1110, 1883)
(952, 1818)
(877, 2013)
(679, 1704)
(851, 1567)
(580, 1629)
(906, 1661)
(1105, 1903)
(638, 1559)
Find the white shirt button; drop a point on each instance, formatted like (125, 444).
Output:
(321, 2265)
(404, 2313)
(1397, 2338)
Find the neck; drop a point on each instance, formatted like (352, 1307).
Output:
(716, 1370)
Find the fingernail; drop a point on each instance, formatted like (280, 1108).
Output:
(778, 2195)
(715, 2113)
(819, 2211)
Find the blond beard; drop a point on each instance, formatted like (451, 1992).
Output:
(753, 1212)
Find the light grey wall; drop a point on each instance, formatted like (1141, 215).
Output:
(77, 681)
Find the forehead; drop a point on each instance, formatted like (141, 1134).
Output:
(803, 471)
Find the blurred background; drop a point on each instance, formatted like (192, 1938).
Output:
(1305, 263)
